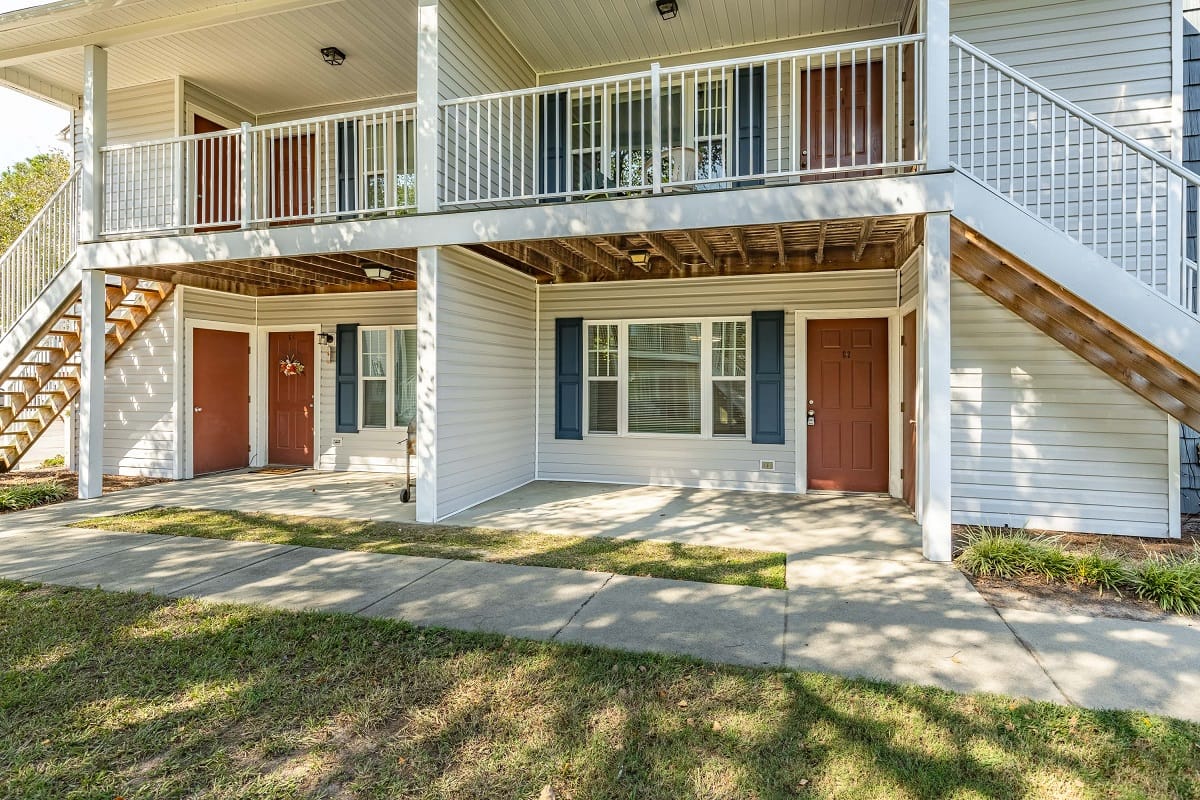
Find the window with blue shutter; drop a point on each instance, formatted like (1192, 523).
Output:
(346, 392)
(766, 377)
(568, 378)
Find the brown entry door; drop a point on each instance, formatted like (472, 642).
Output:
(290, 399)
(847, 401)
(218, 178)
(220, 400)
(292, 190)
(909, 409)
(841, 126)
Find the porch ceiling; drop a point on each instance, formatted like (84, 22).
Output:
(619, 31)
(314, 274)
(873, 243)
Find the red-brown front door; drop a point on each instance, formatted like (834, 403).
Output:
(220, 400)
(909, 410)
(840, 126)
(218, 178)
(847, 400)
(290, 399)
(292, 178)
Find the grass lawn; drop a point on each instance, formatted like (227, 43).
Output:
(624, 556)
(110, 695)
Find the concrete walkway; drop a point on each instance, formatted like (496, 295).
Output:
(866, 613)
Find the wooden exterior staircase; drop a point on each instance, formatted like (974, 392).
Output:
(40, 382)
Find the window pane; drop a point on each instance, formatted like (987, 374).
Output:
(602, 351)
(602, 406)
(729, 349)
(405, 380)
(374, 404)
(664, 377)
(374, 354)
(729, 408)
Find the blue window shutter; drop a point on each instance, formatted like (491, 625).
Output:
(568, 378)
(750, 116)
(347, 165)
(766, 377)
(553, 114)
(346, 397)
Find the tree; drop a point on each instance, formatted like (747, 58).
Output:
(25, 188)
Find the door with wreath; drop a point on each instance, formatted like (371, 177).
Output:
(291, 398)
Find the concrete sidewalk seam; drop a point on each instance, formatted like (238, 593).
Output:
(1037, 659)
(571, 619)
(84, 561)
(179, 592)
(395, 592)
(787, 600)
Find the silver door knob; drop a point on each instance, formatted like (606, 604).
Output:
(197, 409)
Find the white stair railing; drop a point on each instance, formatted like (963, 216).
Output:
(39, 253)
(1074, 171)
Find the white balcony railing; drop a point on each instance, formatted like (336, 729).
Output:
(845, 111)
(45, 246)
(335, 166)
(1077, 173)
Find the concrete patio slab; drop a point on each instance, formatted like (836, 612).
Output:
(728, 624)
(1117, 663)
(30, 553)
(163, 566)
(309, 578)
(531, 602)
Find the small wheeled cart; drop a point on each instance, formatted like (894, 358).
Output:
(410, 450)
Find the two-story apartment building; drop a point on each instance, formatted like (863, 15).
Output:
(937, 249)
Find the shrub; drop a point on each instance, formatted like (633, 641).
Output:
(55, 461)
(20, 496)
(1171, 582)
(1106, 573)
(1045, 558)
(996, 552)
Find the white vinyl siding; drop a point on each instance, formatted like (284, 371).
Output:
(1041, 438)
(139, 400)
(135, 114)
(485, 379)
(731, 463)
(910, 278)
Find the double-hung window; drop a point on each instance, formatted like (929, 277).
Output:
(387, 376)
(668, 378)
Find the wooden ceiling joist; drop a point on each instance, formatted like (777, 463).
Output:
(702, 247)
(659, 244)
(821, 233)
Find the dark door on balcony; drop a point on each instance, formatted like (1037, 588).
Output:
(841, 121)
(220, 400)
(290, 399)
(847, 400)
(292, 169)
(218, 178)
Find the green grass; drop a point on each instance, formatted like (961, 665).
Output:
(1171, 582)
(20, 496)
(623, 556)
(116, 695)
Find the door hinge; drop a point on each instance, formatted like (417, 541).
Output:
(248, 448)
(902, 473)
(901, 406)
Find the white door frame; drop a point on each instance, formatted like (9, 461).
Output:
(261, 389)
(894, 317)
(189, 381)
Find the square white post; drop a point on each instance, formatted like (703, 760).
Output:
(91, 386)
(933, 402)
(94, 126)
(935, 23)
(427, 322)
(428, 111)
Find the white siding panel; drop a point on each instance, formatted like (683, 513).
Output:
(716, 463)
(485, 380)
(1041, 438)
(202, 304)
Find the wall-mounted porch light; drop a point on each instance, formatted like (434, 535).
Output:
(640, 258)
(333, 57)
(377, 272)
(667, 9)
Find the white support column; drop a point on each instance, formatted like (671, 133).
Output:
(427, 321)
(95, 136)
(91, 386)
(428, 112)
(933, 402)
(935, 22)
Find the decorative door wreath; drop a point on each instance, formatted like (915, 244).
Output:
(291, 365)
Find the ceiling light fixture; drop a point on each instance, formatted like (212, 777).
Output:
(333, 57)
(377, 272)
(640, 258)
(667, 9)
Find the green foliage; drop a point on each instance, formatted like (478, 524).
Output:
(1047, 559)
(1104, 572)
(55, 461)
(25, 187)
(20, 496)
(1171, 582)
(996, 552)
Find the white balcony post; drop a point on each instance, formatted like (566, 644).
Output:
(935, 22)
(92, 328)
(933, 401)
(428, 112)
(94, 128)
(247, 190)
(427, 319)
(656, 124)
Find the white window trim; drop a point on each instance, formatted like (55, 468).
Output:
(706, 380)
(389, 378)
